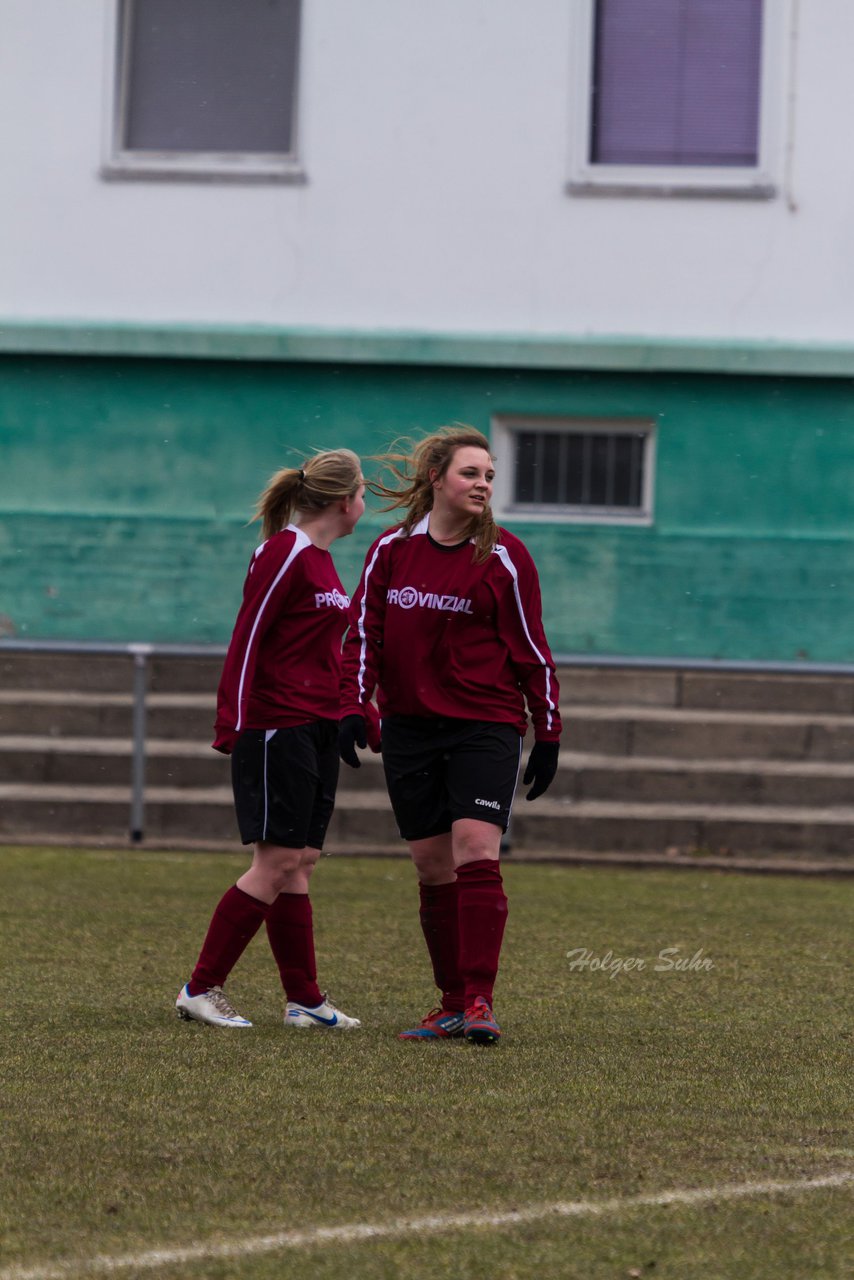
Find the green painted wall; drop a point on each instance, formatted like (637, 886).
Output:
(126, 484)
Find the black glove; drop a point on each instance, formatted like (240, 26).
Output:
(352, 733)
(541, 768)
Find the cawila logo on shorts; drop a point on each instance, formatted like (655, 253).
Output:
(488, 804)
(408, 598)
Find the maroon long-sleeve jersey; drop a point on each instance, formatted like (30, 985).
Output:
(438, 635)
(283, 665)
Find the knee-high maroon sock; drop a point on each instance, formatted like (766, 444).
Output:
(291, 933)
(234, 923)
(441, 933)
(482, 911)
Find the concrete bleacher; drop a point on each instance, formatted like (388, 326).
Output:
(657, 764)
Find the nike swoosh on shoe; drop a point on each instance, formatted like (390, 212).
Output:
(327, 1022)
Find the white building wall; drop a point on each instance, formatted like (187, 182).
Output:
(435, 139)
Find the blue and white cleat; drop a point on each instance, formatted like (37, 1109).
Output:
(323, 1015)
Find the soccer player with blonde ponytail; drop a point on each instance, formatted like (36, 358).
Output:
(277, 717)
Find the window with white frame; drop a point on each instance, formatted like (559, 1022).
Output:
(677, 96)
(574, 469)
(205, 88)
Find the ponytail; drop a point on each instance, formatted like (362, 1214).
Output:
(324, 478)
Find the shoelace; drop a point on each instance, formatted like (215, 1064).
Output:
(434, 1013)
(218, 999)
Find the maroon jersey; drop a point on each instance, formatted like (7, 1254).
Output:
(283, 665)
(438, 635)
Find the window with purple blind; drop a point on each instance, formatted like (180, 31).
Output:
(676, 82)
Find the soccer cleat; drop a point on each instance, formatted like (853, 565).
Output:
(480, 1026)
(321, 1015)
(440, 1024)
(211, 1006)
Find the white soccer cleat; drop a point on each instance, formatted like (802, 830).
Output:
(211, 1006)
(323, 1015)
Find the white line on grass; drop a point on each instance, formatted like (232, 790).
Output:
(352, 1232)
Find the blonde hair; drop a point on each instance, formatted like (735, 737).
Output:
(325, 477)
(410, 463)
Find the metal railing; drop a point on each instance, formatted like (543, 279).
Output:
(141, 653)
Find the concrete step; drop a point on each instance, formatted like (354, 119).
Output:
(107, 761)
(703, 735)
(174, 763)
(188, 716)
(734, 829)
(107, 672)
(201, 813)
(708, 688)
(600, 730)
(364, 818)
(703, 782)
(742, 691)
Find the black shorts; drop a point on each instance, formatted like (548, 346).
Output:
(440, 770)
(284, 783)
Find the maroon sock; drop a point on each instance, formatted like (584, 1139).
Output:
(482, 909)
(233, 925)
(441, 933)
(289, 928)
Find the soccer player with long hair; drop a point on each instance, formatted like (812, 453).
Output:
(277, 717)
(446, 627)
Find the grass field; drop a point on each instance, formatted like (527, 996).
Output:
(126, 1132)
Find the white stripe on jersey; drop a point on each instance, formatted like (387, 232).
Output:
(301, 541)
(504, 556)
(363, 646)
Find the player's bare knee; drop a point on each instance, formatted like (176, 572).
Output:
(435, 874)
(433, 859)
(308, 860)
(277, 860)
(433, 868)
(474, 841)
